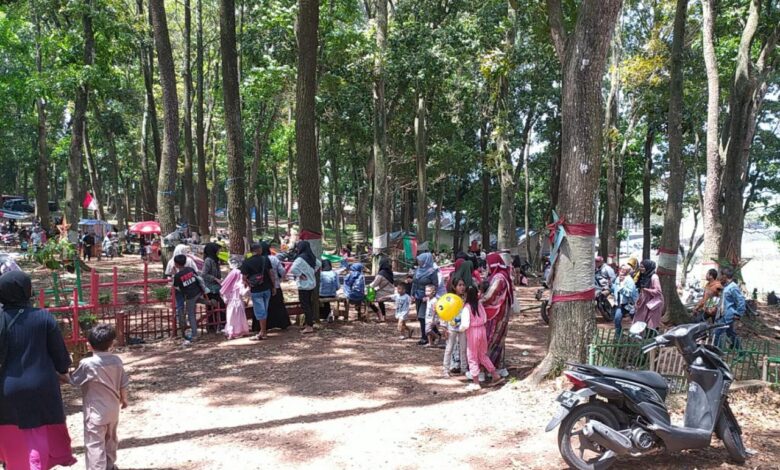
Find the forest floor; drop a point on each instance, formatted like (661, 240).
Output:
(354, 396)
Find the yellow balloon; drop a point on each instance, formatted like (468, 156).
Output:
(448, 306)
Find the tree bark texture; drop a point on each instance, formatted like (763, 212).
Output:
(485, 203)
(73, 188)
(380, 209)
(236, 203)
(147, 65)
(94, 178)
(42, 169)
(166, 182)
(201, 199)
(670, 239)
(647, 173)
(188, 211)
(745, 100)
(712, 205)
(611, 131)
(583, 58)
(420, 147)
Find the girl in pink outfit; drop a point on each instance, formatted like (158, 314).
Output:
(232, 291)
(473, 321)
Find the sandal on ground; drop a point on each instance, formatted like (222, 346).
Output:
(307, 331)
(496, 383)
(256, 338)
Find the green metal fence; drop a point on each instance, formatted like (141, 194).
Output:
(746, 363)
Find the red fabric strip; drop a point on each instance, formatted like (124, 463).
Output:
(581, 230)
(309, 235)
(589, 294)
(668, 252)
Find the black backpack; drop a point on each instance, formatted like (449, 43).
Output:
(6, 321)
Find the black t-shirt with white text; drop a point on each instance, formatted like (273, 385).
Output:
(186, 281)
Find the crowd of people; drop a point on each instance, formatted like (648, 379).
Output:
(634, 291)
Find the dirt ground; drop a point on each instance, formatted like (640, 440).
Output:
(354, 396)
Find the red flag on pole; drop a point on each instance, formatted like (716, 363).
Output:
(90, 203)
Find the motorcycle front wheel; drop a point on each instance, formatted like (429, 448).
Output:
(576, 449)
(728, 431)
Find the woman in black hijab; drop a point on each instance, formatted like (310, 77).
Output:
(32, 418)
(212, 277)
(277, 312)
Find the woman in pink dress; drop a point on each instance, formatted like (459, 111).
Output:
(473, 320)
(232, 291)
(498, 301)
(650, 305)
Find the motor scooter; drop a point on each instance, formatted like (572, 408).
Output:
(613, 412)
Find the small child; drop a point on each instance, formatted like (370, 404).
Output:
(187, 283)
(431, 318)
(402, 303)
(103, 383)
(354, 288)
(473, 322)
(456, 336)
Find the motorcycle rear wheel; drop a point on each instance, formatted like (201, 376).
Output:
(569, 430)
(544, 311)
(729, 432)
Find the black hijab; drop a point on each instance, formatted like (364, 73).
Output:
(327, 265)
(211, 250)
(646, 278)
(304, 251)
(15, 290)
(386, 270)
(266, 248)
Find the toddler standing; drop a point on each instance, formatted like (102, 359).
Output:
(456, 335)
(431, 318)
(473, 322)
(103, 385)
(402, 304)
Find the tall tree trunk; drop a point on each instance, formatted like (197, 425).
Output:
(711, 209)
(437, 222)
(73, 188)
(526, 204)
(647, 171)
(236, 205)
(94, 178)
(507, 228)
(42, 169)
(380, 210)
(420, 147)
(147, 66)
(337, 216)
(114, 170)
(275, 206)
(290, 175)
(166, 182)
(188, 211)
(670, 240)
(583, 58)
(201, 199)
(611, 139)
(745, 100)
(147, 185)
(485, 203)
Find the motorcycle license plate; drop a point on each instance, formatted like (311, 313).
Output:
(568, 399)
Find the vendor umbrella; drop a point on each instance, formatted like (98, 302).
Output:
(146, 228)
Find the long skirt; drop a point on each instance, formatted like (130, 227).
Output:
(40, 448)
(277, 312)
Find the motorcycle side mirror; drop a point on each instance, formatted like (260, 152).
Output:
(638, 328)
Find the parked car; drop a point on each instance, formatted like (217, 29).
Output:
(18, 205)
(53, 206)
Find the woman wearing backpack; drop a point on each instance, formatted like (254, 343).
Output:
(33, 433)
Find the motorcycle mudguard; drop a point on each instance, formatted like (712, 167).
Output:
(568, 401)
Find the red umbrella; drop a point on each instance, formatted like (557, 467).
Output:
(146, 228)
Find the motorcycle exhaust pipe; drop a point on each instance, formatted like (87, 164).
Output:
(607, 437)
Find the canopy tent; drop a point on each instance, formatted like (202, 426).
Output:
(148, 227)
(98, 227)
(13, 215)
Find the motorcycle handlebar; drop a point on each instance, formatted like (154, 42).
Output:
(649, 347)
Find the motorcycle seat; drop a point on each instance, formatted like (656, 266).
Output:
(645, 377)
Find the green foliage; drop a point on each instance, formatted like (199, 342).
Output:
(161, 294)
(55, 253)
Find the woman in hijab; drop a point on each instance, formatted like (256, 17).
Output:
(212, 277)
(277, 312)
(33, 432)
(304, 269)
(329, 286)
(497, 301)
(384, 286)
(426, 274)
(464, 269)
(650, 305)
